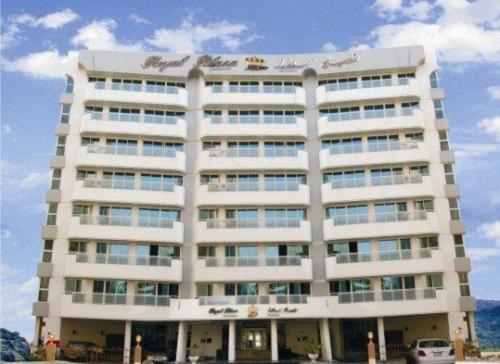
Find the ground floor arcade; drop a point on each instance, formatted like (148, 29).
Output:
(254, 340)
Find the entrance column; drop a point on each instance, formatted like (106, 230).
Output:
(381, 338)
(126, 342)
(180, 355)
(326, 347)
(274, 340)
(231, 350)
(472, 327)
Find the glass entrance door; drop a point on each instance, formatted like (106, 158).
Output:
(254, 339)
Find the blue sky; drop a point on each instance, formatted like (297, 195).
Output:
(39, 40)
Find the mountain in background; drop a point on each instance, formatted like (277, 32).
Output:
(13, 347)
(488, 324)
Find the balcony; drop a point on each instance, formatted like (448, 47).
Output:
(133, 158)
(254, 95)
(254, 125)
(253, 230)
(367, 90)
(366, 121)
(376, 188)
(384, 263)
(133, 124)
(109, 266)
(107, 190)
(389, 303)
(244, 194)
(252, 300)
(253, 159)
(339, 156)
(382, 224)
(136, 93)
(238, 269)
(125, 228)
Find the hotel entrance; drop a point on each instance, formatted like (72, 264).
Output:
(253, 340)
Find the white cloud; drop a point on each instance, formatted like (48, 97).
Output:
(138, 19)
(98, 35)
(480, 254)
(470, 150)
(58, 19)
(491, 126)
(420, 10)
(494, 92)
(191, 37)
(464, 32)
(34, 179)
(29, 286)
(43, 65)
(6, 234)
(329, 47)
(491, 230)
(10, 37)
(6, 129)
(387, 7)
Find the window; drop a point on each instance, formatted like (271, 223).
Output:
(244, 86)
(463, 279)
(123, 114)
(77, 247)
(158, 217)
(100, 82)
(79, 210)
(164, 87)
(69, 84)
(284, 217)
(284, 182)
(433, 78)
(162, 117)
(210, 145)
(72, 285)
(403, 78)
(126, 85)
(82, 174)
(379, 111)
(341, 215)
(65, 112)
(208, 214)
(206, 179)
(341, 146)
(282, 116)
(340, 84)
(376, 81)
(118, 180)
(438, 109)
(443, 140)
(206, 251)
(415, 136)
(429, 242)
(204, 289)
(382, 143)
(424, 205)
(242, 182)
(421, 170)
(215, 85)
(345, 179)
(215, 116)
(94, 111)
(52, 214)
(56, 179)
(158, 182)
(454, 209)
(408, 107)
(459, 246)
(243, 117)
(448, 174)
(121, 146)
(89, 141)
(61, 145)
(47, 251)
(43, 291)
(434, 280)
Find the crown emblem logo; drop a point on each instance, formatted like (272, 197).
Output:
(255, 63)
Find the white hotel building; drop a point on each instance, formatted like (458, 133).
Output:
(251, 204)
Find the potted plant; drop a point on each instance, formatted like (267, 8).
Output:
(193, 352)
(312, 349)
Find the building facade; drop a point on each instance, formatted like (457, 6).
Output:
(252, 204)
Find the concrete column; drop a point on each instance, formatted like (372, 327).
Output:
(274, 340)
(381, 338)
(231, 349)
(180, 356)
(126, 342)
(472, 326)
(326, 347)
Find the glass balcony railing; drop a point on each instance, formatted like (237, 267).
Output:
(352, 85)
(371, 147)
(121, 299)
(253, 261)
(253, 152)
(253, 223)
(126, 221)
(251, 299)
(136, 87)
(387, 295)
(134, 117)
(243, 187)
(394, 179)
(124, 259)
(268, 89)
(379, 217)
(369, 114)
(131, 150)
(382, 256)
(127, 185)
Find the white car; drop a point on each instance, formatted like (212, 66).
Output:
(435, 351)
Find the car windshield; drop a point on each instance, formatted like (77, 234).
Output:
(433, 344)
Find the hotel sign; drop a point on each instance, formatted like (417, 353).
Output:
(331, 62)
(215, 62)
(291, 64)
(160, 63)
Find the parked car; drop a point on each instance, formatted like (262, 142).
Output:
(435, 351)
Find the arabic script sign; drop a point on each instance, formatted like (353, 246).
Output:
(161, 64)
(331, 62)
